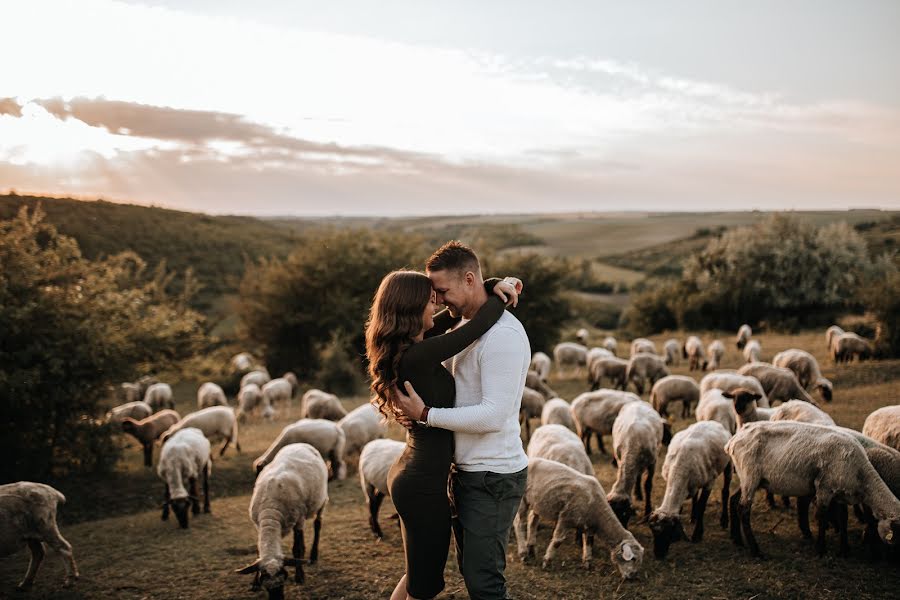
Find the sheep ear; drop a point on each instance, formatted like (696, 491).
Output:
(756, 396)
(728, 395)
(251, 568)
(627, 552)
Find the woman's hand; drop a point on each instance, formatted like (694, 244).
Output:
(507, 292)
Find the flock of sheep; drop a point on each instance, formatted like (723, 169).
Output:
(788, 450)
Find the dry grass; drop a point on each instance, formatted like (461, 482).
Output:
(125, 551)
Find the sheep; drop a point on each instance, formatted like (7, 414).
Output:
(778, 383)
(317, 404)
(361, 425)
(696, 355)
(242, 362)
(28, 517)
(643, 367)
(727, 380)
(259, 376)
(278, 390)
(570, 353)
(642, 345)
(715, 350)
(248, 399)
(806, 368)
(215, 422)
(325, 436)
(637, 434)
(136, 410)
(130, 392)
(184, 458)
(595, 412)
(540, 363)
(672, 388)
(291, 378)
(715, 406)
(210, 394)
(805, 460)
(144, 383)
(752, 351)
(745, 406)
(375, 462)
(291, 489)
(147, 430)
(534, 381)
(743, 336)
(558, 411)
(610, 344)
(159, 396)
(556, 442)
(830, 334)
(883, 426)
(672, 349)
(559, 493)
(614, 368)
(530, 407)
(847, 345)
(694, 460)
(798, 410)
(596, 353)
(582, 335)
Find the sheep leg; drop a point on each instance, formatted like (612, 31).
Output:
(600, 442)
(206, 488)
(587, 547)
(870, 535)
(192, 490)
(559, 536)
(744, 507)
(648, 489)
(770, 498)
(685, 408)
(823, 506)
(723, 520)
(225, 446)
(694, 499)
(148, 454)
(735, 523)
(297, 551)
(586, 439)
(803, 516)
(57, 542)
(317, 529)
(37, 557)
(375, 497)
(533, 520)
(637, 488)
(167, 499)
(786, 501)
(697, 535)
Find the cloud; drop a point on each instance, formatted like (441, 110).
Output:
(9, 106)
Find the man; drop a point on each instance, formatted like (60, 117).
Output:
(491, 465)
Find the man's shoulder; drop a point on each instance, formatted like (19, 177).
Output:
(507, 328)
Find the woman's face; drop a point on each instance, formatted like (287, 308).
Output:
(428, 316)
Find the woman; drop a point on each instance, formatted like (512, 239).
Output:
(405, 342)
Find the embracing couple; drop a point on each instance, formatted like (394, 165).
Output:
(455, 380)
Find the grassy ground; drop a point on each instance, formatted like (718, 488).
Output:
(124, 550)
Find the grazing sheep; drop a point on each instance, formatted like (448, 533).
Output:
(799, 459)
(130, 392)
(830, 334)
(534, 381)
(696, 355)
(259, 376)
(325, 436)
(159, 396)
(375, 462)
(248, 399)
(595, 412)
(290, 490)
(847, 345)
(644, 367)
(672, 349)
(277, 391)
(743, 336)
(531, 406)
(715, 406)
(582, 335)
(610, 344)
(727, 380)
(361, 425)
(798, 410)
(215, 422)
(559, 493)
(211, 394)
(616, 369)
(642, 345)
(28, 517)
(637, 434)
(136, 410)
(596, 353)
(673, 388)
(183, 459)
(556, 442)
(883, 426)
(570, 353)
(242, 362)
(540, 363)
(778, 383)
(317, 404)
(806, 368)
(694, 460)
(752, 351)
(715, 350)
(559, 412)
(149, 429)
(745, 406)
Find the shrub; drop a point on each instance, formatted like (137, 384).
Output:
(339, 371)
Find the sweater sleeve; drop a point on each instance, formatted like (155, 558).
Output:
(439, 348)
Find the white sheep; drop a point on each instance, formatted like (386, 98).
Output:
(530, 407)
(323, 435)
(674, 388)
(831, 333)
(159, 396)
(778, 383)
(715, 351)
(582, 335)
(847, 345)
(148, 430)
(715, 406)
(290, 490)
(248, 399)
(610, 344)
(616, 369)
(806, 368)
(642, 345)
(644, 367)
(752, 351)
(595, 412)
(672, 351)
(727, 380)
(277, 391)
(559, 412)
(557, 442)
(211, 394)
(743, 336)
(185, 458)
(28, 517)
(798, 410)
(696, 355)
(260, 376)
(137, 409)
(540, 363)
(695, 458)
(375, 462)
(241, 362)
(559, 493)
(883, 426)
(216, 422)
(570, 354)
(596, 353)
(317, 404)
(361, 425)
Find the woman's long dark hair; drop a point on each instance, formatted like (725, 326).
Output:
(394, 320)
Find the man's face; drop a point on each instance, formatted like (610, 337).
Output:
(450, 290)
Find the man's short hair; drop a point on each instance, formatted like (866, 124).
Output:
(453, 256)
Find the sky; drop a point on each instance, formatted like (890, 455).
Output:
(421, 107)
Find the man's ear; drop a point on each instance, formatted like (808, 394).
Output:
(470, 278)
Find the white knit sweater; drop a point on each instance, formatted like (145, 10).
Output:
(490, 377)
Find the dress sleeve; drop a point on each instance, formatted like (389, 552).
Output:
(439, 348)
(444, 321)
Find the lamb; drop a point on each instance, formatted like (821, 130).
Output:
(559, 493)
(211, 394)
(215, 422)
(672, 349)
(642, 345)
(259, 376)
(616, 369)
(290, 490)
(184, 458)
(28, 517)
(540, 363)
(715, 406)
(673, 388)
(325, 436)
(798, 410)
(159, 396)
(610, 344)
(375, 462)
(149, 429)
(136, 410)
(559, 412)
(637, 434)
(805, 460)
(531, 406)
(595, 412)
(317, 404)
(643, 367)
(727, 380)
(534, 381)
(556, 442)
(361, 425)
(806, 368)
(570, 353)
(752, 351)
(694, 460)
(278, 390)
(743, 336)
(778, 383)
(582, 335)
(715, 350)
(248, 399)
(830, 334)
(883, 426)
(847, 345)
(696, 355)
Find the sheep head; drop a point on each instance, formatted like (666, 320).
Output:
(889, 531)
(666, 530)
(627, 556)
(180, 507)
(273, 575)
(743, 399)
(621, 506)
